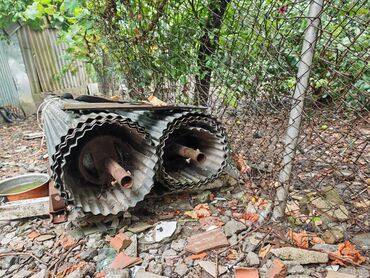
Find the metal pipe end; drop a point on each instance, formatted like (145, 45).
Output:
(201, 158)
(127, 182)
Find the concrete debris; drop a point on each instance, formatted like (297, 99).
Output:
(206, 241)
(131, 250)
(252, 259)
(210, 268)
(332, 236)
(178, 245)
(300, 256)
(46, 237)
(325, 247)
(362, 241)
(332, 267)
(330, 206)
(295, 269)
(24, 209)
(139, 227)
(233, 227)
(335, 274)
(161, 231)
(181, 269)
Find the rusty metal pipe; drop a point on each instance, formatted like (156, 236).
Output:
(195, 155)
(122, 176)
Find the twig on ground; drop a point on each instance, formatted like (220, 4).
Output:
(57, 262)
(216, 273)
(236, 262)
(22, 254)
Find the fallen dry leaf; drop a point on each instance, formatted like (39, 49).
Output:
(264, 251)
(115, 98)
(156, 101)
(347, 253)
(233, 204)
(232, 255)
(64, 273)
(221, 210)
(241, 164)
(200, 211)
(261, 203)
(299, 239)
(303, 240)
(253, 217)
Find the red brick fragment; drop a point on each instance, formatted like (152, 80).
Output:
(206, 241)
(34, 234)
(68, 242)
(123, 261)
(120, 242)
(277, 270)
(199, 256)
(246, 272)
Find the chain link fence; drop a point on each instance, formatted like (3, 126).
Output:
(288, 79)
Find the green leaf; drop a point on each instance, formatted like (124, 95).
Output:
(33, 11)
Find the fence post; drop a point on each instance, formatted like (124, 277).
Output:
(295, 116)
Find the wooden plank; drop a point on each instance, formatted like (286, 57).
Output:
(24, 209)
(125, 106)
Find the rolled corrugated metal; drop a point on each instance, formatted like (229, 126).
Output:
(68, 134)
(192, 129)
(183, 149)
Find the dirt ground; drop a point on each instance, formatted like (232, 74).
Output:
(18, 155)
(156, 239)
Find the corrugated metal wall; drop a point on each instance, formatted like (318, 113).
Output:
(8, 91)
(44, 59)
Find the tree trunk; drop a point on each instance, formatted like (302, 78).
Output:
(207, 48)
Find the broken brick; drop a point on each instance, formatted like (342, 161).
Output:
(246, 272)
(123, 261)
(277, 270)
(32, 235)
(120, 242)
(206, 241)
(68, 242)
(199, 256)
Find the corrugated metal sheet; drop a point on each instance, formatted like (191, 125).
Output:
(66, 132)
(44, 59)
(8, 91)
(163, 126)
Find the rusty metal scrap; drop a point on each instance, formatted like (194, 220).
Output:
(195, 155)
(104, 162)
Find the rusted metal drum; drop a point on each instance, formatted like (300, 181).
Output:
(28, 186)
